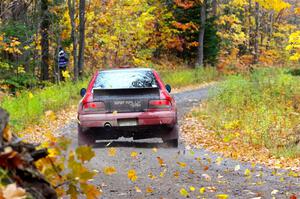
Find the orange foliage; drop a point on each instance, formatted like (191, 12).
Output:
(185, 4)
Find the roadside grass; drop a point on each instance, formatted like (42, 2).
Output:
(181, 78)
(261, 109)
(29, 107)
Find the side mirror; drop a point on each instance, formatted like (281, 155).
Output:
(168, 87)
(82, 92)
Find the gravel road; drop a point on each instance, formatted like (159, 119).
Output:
(202, 169)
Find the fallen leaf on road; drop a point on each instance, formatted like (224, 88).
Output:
(247, 172)
(176, 174)
(137, 189)
(151, 176)
(181, 164)
(154, 150)
(219, 160)
(293, 196)
(206, 176)
(132, 175)
(191, 171)
(222, 196)
(109, 170)
(237, 167)
(192, 188)
(184, 192)
(202, 190)
(274, 192)
(161, 162)
(149, 190)
(112, 152)
(133, 154)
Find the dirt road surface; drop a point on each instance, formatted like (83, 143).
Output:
(183, 167)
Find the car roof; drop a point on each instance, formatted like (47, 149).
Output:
(126, 69)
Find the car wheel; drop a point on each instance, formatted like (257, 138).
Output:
(171, 137)
(172, 143)
(85, 136)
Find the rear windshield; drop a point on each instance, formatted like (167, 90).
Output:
(125, 79)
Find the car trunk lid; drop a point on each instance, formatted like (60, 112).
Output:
(126, 99)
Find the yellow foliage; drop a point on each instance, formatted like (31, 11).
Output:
(294, 46)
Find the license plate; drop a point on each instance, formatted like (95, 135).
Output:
(129, 122)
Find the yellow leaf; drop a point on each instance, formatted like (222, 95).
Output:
(162, 173)
(219, 160)
(202, 190)
(160, 161)
(184, 192)
(191, 171)
(109, 170)
(176, 174)
(137, 189)
(192, 188)
(181, 164)
(222, 196)
(30, 95)
(133, 154)
(154, 150)
(247, 172)
(132, 175)
(50, 115)
(151, 176)
(84, 153)
(237, 167)
(66, 74)
(149, 190)
(112, 152)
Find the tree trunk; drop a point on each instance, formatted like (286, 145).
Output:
(270, 30)
(200, 56)
(44, 27)
(81, 36)
(256, 35)
(214, 8)
(250, 27)
(71, 5)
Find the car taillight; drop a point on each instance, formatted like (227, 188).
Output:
(94, 107)
(160, 104)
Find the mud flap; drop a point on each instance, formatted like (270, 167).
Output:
(85, 136)
(172, 134)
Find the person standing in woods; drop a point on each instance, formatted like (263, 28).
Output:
(62, 62)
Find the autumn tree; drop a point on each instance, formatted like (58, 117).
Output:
(44, 31)
(81, 36)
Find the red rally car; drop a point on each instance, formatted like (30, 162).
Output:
(127, 103)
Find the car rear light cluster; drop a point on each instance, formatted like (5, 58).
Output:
(94, 107)
(160, 105)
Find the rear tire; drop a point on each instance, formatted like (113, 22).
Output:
(171, 137)
(172, 143)
(85, 136)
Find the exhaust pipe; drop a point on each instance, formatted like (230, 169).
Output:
(107, 125)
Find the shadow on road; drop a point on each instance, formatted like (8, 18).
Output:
(129, 144)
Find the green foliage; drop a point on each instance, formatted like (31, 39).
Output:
(28, 108)
(182, 78)
(263, 108)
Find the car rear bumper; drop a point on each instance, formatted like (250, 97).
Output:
(142, 119)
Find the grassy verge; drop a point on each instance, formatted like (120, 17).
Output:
(261, 109)
(28, 107)
(181, 78)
